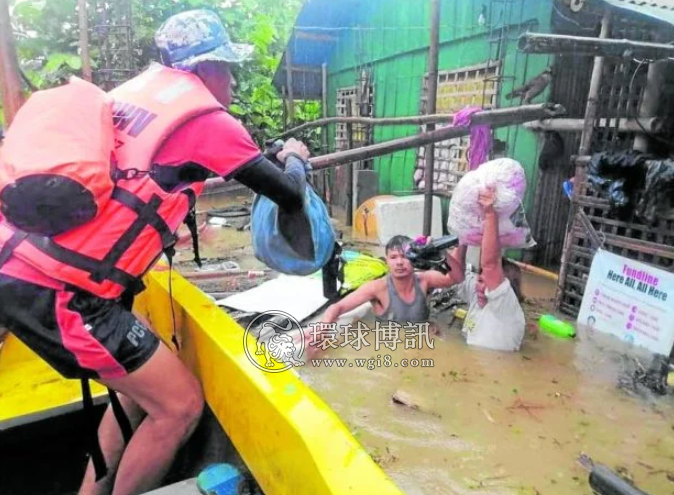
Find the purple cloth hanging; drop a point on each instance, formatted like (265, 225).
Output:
(480, 137)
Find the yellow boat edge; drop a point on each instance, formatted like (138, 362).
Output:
(292, 442)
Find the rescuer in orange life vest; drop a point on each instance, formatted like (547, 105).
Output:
(65, 296)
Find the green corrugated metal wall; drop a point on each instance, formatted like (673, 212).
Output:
(392, 39)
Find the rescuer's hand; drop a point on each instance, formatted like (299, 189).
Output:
(296, 147)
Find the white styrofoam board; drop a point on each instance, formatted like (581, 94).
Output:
(300, 297)
(405, 216)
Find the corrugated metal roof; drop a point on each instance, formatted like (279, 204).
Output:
(314, 38)
(321, 22)
(660, 10)
(661, 4)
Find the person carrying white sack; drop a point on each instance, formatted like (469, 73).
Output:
(495, 319)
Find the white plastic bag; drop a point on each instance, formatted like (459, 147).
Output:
(465, 213)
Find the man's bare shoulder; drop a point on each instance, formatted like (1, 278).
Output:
(378, 286)
(374, 289)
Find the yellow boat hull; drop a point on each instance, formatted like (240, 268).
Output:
(291, 441)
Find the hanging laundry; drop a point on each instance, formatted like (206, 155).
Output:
(480, 136)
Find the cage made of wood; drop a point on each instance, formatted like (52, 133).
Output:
(633, 239)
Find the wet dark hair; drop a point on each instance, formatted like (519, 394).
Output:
(397, 242)
(513, 273)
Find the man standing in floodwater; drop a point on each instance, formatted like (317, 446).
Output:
(401, 295)
(495, 319)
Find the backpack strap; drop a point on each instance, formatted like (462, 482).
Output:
(94, 446)
(333, 274)
(191, 222)
(120, 416)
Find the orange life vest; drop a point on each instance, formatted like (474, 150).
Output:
(130, 231)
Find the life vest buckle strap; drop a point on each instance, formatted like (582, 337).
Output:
(11, 244)
(78, 260)
(148, 212)
(147, 215)
(129, 174)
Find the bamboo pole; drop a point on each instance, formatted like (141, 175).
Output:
(215, 274)
(501, 117)
(597, 47)
(10, 80)
(536, 270)
(327, 192)
(411, 120)
(585, 143)
(84, 40)
(593, 95)
(654, 125)
(431, 105)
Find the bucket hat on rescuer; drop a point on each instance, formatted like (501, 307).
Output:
(195, 36)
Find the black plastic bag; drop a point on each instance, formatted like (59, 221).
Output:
(658, 195)
(620, 177)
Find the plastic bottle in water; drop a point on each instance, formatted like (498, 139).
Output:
(558, 328)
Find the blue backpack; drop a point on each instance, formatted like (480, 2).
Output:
(299, 243)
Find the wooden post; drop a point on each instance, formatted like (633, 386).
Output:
(431, 105)
(349, 170)
(585, 144)
(289, 88)
(284, 97)
(327, 192)
(10, 80)
(655, 82)
(84, 40)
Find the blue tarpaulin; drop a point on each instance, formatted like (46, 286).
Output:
(315, 36)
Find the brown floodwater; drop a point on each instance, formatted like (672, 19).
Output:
(486, 422)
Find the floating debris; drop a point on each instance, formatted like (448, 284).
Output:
(642, 379)
(405, 399)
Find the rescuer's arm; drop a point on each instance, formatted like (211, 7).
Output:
(285, 187)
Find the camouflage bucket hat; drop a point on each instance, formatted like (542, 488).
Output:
(195, 36)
